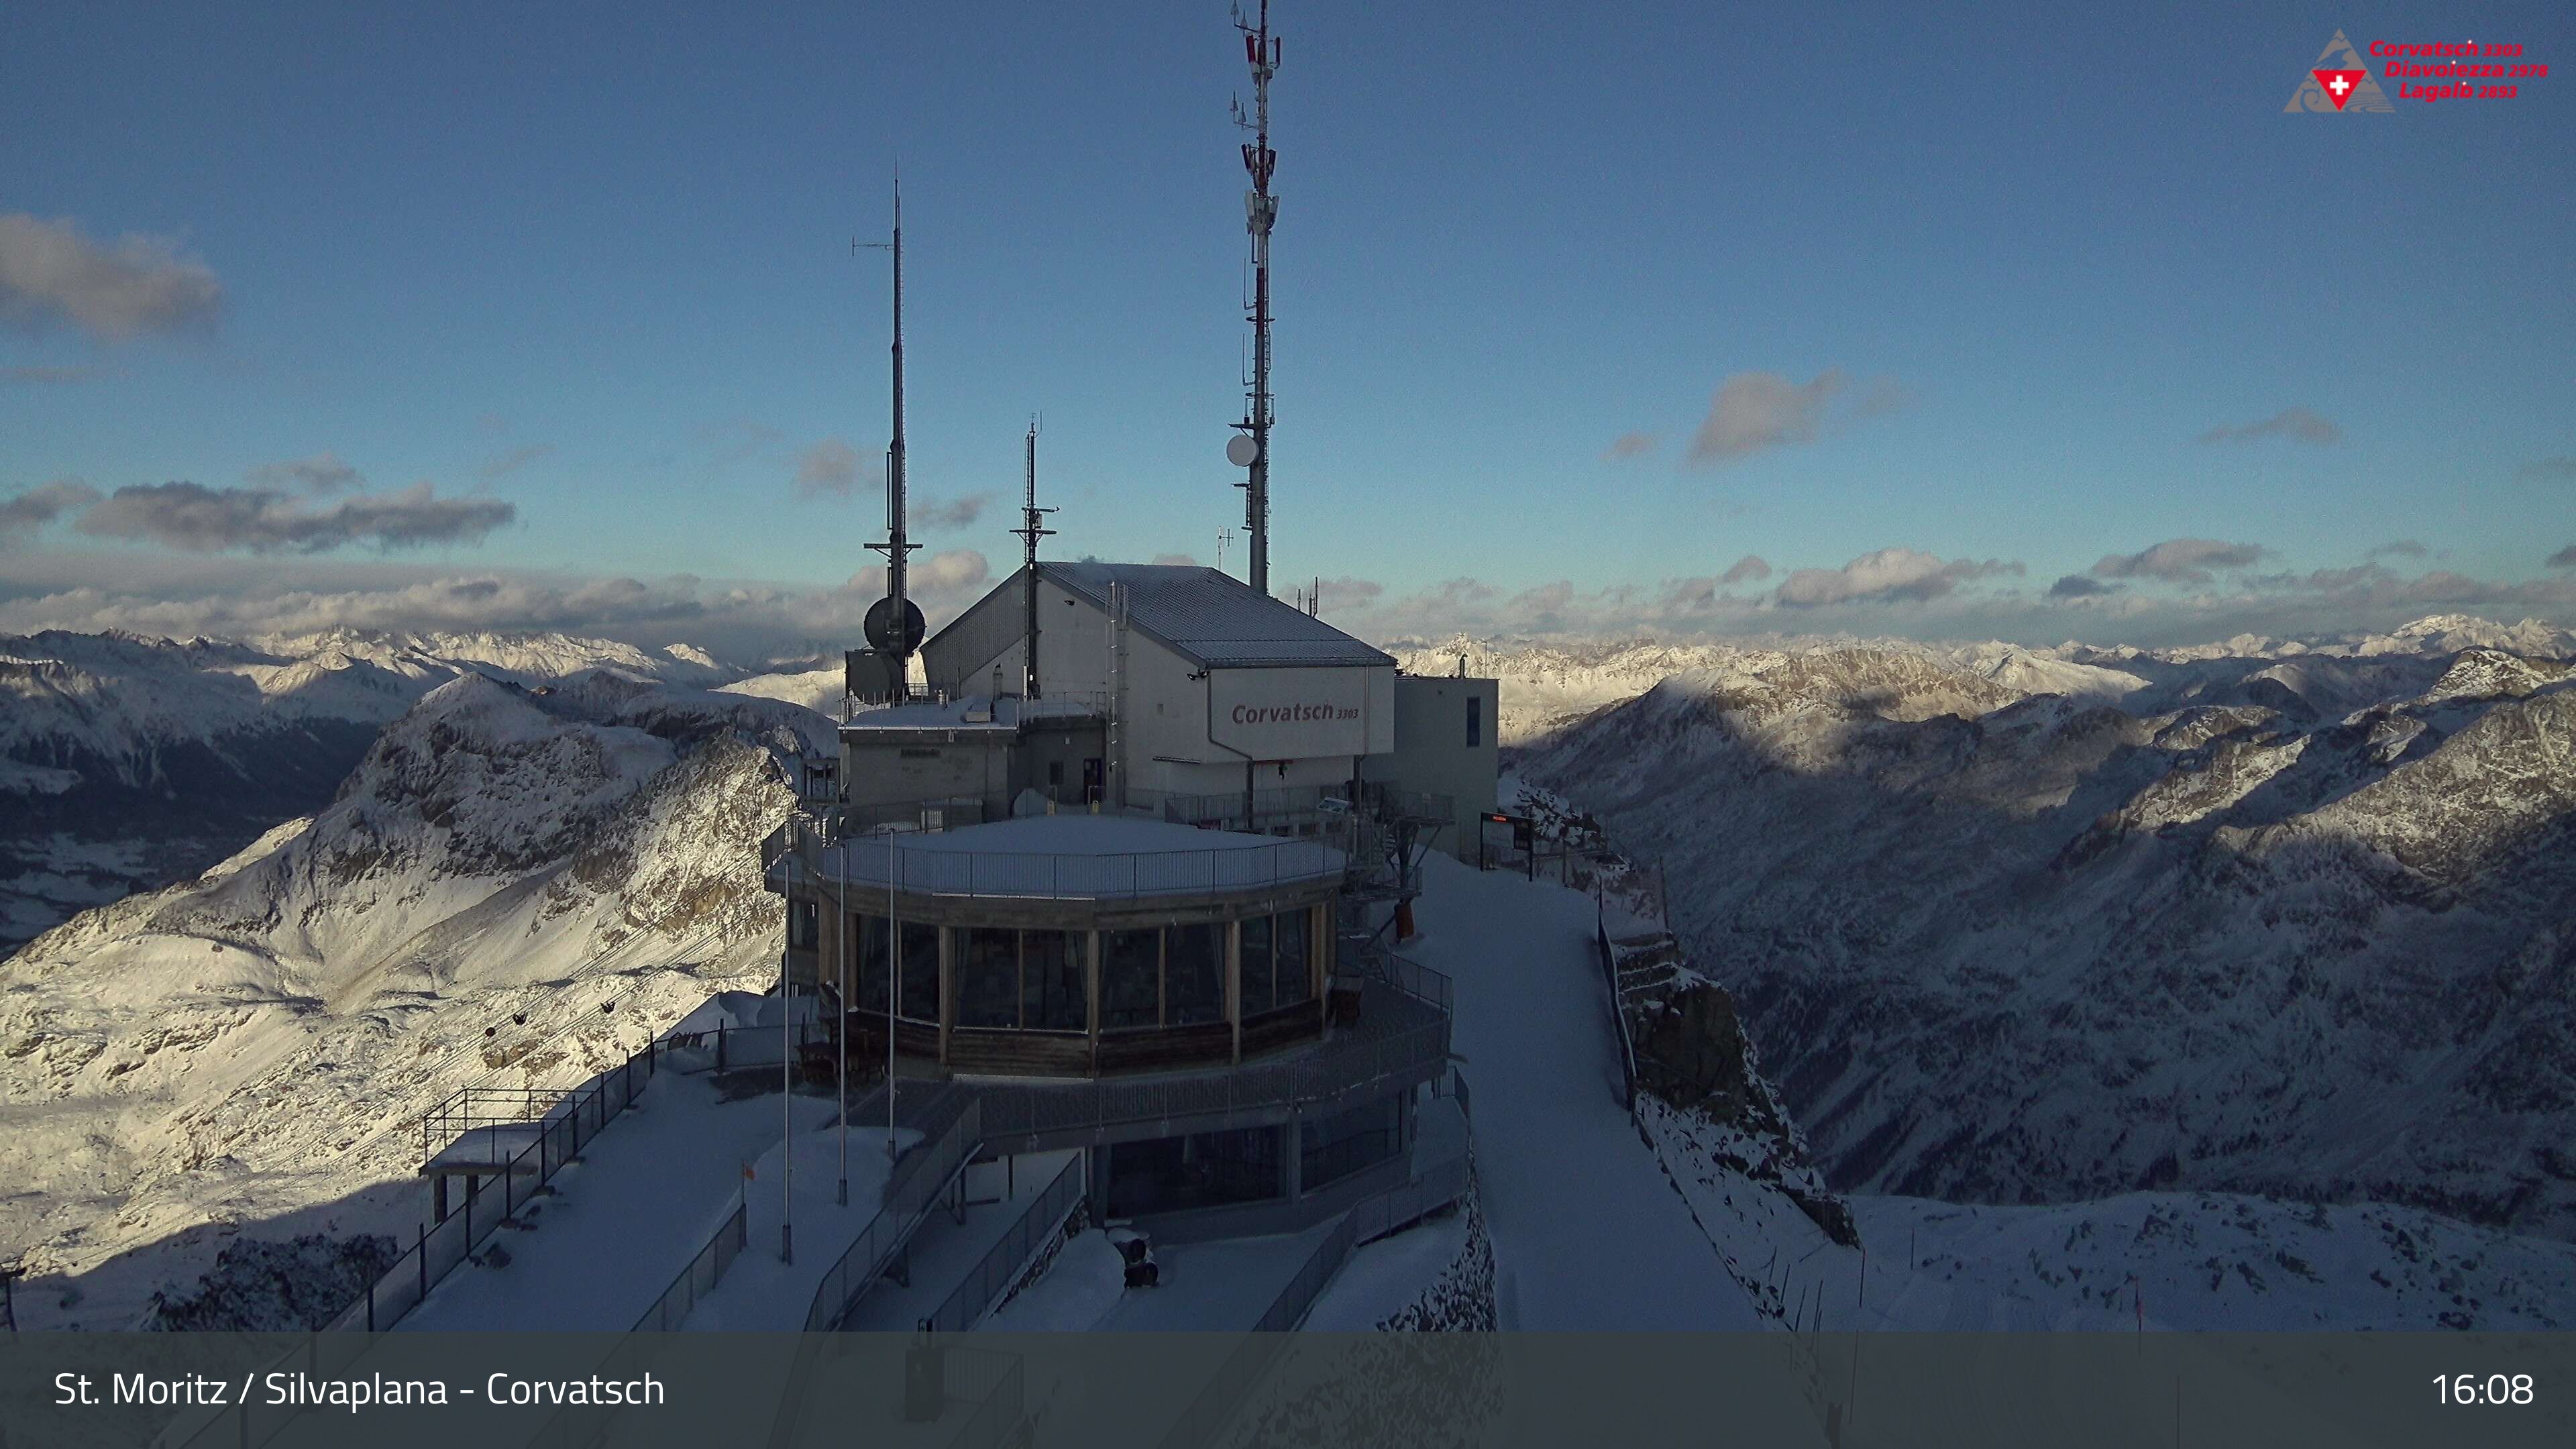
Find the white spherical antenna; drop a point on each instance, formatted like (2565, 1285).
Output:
(1240, 450)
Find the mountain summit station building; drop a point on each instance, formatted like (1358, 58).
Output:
(1147, 909)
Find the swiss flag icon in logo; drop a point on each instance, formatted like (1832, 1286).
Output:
(2339, 83)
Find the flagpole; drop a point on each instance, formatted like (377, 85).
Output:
(841, 1029)
(894, 987)
(786, 1084)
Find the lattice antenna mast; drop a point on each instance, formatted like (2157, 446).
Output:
(900, 636)
(1032, 528)
(1261, 212)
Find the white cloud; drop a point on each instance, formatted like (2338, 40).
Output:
(512, 461)
(198, 519)
(50, 273)
(956, 513)
(2178, 560)
(1886, 575)
(1752, 411)
(324, 472)
(2295, 423)
(830, 466)
(36, 507)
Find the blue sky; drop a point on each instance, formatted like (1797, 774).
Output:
(2008, 267)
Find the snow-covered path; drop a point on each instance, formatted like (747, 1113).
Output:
(1588, 1233)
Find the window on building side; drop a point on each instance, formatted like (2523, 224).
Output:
(1475, 720)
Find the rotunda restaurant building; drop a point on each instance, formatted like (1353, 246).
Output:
(1069, 945)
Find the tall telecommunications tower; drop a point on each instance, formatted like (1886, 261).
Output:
(1032, 528)
(895, 624)
(1251, 449)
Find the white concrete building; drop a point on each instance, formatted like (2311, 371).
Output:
(1208, 688)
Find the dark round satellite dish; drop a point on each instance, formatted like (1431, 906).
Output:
(880, 627)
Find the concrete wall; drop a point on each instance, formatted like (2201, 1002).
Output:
(887, 772)
(1431, 750)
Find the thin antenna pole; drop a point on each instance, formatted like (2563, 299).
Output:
(898, 546)
(1261, 210)
(1032, 528)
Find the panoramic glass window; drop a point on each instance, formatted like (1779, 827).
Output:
(1256, 965)
(1051, 996)
(869, 976)
(1340, 1145)
(1207, 1169)
(920, 967)
(988, 977)
(1131, 979)
(1194, 974)
(1293, 976)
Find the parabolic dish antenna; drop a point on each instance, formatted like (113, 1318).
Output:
(1240, 450)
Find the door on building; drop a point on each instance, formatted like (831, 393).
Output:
(1094, 777)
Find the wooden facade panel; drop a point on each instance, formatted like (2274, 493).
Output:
(1275, 1029)
(1019, 1053)
(1208, 1043)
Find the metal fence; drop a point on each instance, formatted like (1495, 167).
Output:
(1413, 978)
(1375, 1217)
(573, 1119)
(996, 1384)
(1007, 1259)
(701, 1276)
(917, 1182)
(1618, 1014)
(1046, 875)
(1337, 1070)
(576, 1117)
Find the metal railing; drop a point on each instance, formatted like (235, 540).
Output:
(576, 1116)
(1618, 1013)
(1335, 1071)
(1045, 875)
(997, 1385)
(1007, 1259)
(1297, 1298)
(1375, 1217)
(572, 1121)
(698, 1279)
(1411, 977)
(582, 1424)
(917, 1182)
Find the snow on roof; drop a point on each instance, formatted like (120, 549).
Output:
(1215, 619)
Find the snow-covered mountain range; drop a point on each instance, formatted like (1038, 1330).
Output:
(129, 762)
(513, 883)
(2024, 926)
(2132, 949)
(1548, 685)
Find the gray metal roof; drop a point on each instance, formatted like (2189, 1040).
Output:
(1213, 618)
